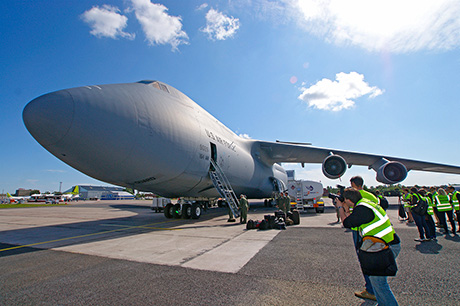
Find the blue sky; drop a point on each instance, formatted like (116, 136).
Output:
(370, 76)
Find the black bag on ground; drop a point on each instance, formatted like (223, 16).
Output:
(250, 225)
(376, 258)
(402, 212)
(271, 222)
(263, 225)
(296, 217)
(421, 207)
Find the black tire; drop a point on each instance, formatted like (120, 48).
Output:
(320, 210)
(176, 212)
(186, 211)
(196, 211)
(168, 210)
(295, 217)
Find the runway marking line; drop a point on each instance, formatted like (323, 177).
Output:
(93, 234)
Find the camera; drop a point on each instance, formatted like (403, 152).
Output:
(339, 196)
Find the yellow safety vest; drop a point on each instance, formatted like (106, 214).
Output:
(407, 198)
(454, 199)
(430, 210)
(443, 203)
(380, 227)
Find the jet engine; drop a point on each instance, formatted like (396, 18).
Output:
(334, 166)
(391, 172)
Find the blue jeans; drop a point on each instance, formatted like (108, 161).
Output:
(356, 241)
(422, 227)
(380, 284)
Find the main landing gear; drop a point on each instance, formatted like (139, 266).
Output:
(186, 210)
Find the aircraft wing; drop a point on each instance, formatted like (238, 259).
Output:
(274, 152)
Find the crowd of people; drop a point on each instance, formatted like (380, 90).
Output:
(441, 203)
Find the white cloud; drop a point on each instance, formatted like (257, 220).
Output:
(56, 171)
(106, 22)
(389, 25)
(337, 95)
(202, 7)
(159, 27)
(220, 26)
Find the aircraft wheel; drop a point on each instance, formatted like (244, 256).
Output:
(168, 211)
(176, 213)
(187, 211)
(196, 211)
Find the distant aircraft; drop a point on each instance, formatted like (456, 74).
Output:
(13, 199)
(151, 137)
(73, 195)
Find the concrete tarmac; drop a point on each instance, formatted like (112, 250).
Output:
(122, 253)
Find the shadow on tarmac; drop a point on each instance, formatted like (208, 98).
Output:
(67, 234)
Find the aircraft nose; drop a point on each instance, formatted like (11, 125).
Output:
(49, 117)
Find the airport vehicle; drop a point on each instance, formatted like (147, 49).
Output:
(158, 204)
(150, 136)
(48, 198)
(305, 195)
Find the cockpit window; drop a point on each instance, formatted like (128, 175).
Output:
(164, 87)
(156, 84)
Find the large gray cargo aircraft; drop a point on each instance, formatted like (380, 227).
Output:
(151, 137)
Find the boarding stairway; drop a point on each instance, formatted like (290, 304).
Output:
(220, 181)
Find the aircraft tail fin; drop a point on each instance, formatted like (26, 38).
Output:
(8, 195)
(76, 190)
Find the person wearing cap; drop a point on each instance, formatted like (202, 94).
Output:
(244, 207)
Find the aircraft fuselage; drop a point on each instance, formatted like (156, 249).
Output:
(148, 136)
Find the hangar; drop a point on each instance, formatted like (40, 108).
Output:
(89, 192)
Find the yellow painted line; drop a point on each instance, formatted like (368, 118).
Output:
(89, 235)
(141, 226)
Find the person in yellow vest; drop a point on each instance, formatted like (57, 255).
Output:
(429, 213)
(423, 229)
(371, 220)
(357, 183)
(444, 208)
(454, 196)
(431, 195)
(407, 199)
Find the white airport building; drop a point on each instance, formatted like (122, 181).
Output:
(89, 192)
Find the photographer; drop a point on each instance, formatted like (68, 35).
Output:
(371, 221)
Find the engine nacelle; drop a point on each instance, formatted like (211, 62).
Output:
(334, 166)
(391, 173)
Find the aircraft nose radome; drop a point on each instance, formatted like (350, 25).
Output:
(49, 117)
